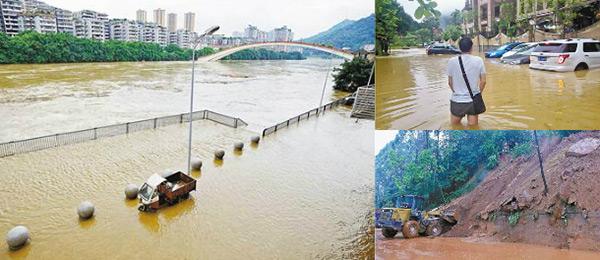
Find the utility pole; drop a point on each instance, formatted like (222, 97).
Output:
(537, 146)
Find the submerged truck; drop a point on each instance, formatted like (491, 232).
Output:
(165, 190)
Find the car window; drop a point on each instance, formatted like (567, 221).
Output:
(553, 47)
(591, 47)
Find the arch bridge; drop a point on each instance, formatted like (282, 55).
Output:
(226, 52)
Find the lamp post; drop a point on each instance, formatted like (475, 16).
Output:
(196, 42)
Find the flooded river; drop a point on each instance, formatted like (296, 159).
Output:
(304, 192)
(470, 248)
(413, 93)
(46, 99)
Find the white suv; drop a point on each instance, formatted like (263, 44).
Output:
(566, 55)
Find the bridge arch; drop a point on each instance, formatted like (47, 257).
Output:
(226, 52)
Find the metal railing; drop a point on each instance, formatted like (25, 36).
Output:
(303, 116)
(49, 141)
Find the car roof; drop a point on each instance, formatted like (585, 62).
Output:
(155, 180)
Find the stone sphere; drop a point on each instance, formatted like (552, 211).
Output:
(131, 191)
(17, 237)
(219, 154)
(85, 210)
(255, 139)
(196, 164)
(238, 146)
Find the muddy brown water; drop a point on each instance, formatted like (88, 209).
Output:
(470, 248)
(43, 99)
(304, 192)
(413, 93)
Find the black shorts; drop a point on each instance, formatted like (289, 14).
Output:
(462, 109)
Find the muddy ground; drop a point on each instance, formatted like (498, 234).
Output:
(510, 205)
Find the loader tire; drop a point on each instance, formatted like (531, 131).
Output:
(410, 229)
(389, 232)
(434, 229)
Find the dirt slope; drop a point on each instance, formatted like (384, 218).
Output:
(509, 205)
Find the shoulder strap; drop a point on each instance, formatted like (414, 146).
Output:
(462, 68)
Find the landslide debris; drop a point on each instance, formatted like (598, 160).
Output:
(510, 205)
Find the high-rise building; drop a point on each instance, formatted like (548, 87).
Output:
(159, 17)
(141, 16)
(92, 25)
(10, 10)
(125, 30)
(64, 21)
(172, 22)
(190, 22)
(155, 33)
(37, 16)
(283, 34)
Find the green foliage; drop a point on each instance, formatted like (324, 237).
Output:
(350, 34)
(492, 162)
(33, 47)
(521, 149)
(443, 165)
(264, 54)
(386, 24)
(426, 9)
(513, 218)
(352, 74)
(452, 32)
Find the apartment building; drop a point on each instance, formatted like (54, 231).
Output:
(189, 22)
(92, 25)
(125, 30)
(141, 16)
(159, 17)
(155, 33)
(172, 22)
(10, 11)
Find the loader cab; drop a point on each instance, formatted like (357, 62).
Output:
(412, 202)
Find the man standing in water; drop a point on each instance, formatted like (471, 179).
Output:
(461, 103)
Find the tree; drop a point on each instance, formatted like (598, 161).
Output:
(427, 8)
(452, 32)
(456, 18)
(352, 74)
(386, 25)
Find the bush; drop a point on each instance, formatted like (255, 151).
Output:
(492, 162)
(513, 218)
(521, 149)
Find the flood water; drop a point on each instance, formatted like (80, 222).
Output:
(304, 192)
(413, 93)
(44, 99)
(470, 248)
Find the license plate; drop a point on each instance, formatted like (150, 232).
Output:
(542, 58)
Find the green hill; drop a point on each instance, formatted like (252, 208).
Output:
(348, 34)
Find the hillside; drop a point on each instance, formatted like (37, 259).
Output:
(348, 34)
(510, 205)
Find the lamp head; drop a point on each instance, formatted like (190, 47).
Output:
(211, 30)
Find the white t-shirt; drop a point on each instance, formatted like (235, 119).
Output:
(474, 68)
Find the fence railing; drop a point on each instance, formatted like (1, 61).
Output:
(303, 116)
(49, 141)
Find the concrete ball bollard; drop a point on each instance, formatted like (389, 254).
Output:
(196, 164)
(238, 146)
(85, 210)
(219, 154)
(17, 237)
(255, 139)
(131, 191)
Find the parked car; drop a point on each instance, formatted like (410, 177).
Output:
(519, 48)
(497, 53)
(442, 49)
(566, 55)
(518, 58)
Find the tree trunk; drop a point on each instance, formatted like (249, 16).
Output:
(537, 146)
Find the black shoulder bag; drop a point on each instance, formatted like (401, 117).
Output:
(478, 105)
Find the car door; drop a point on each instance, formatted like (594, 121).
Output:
(591, 50)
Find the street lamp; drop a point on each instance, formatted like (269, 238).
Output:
(196, 42)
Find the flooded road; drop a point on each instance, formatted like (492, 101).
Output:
(43, 99)
(470, 248)
(413, 93)
(305, 192)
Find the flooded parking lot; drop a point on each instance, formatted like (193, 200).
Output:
(413, 93)
(304, 192)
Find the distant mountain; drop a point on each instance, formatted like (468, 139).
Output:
(348, 33)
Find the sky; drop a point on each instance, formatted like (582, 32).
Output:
(383, 137)
(304, 17)
(444, 6)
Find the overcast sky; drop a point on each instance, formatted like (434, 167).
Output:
(383, 137)
(305, 17)
(444, 6)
